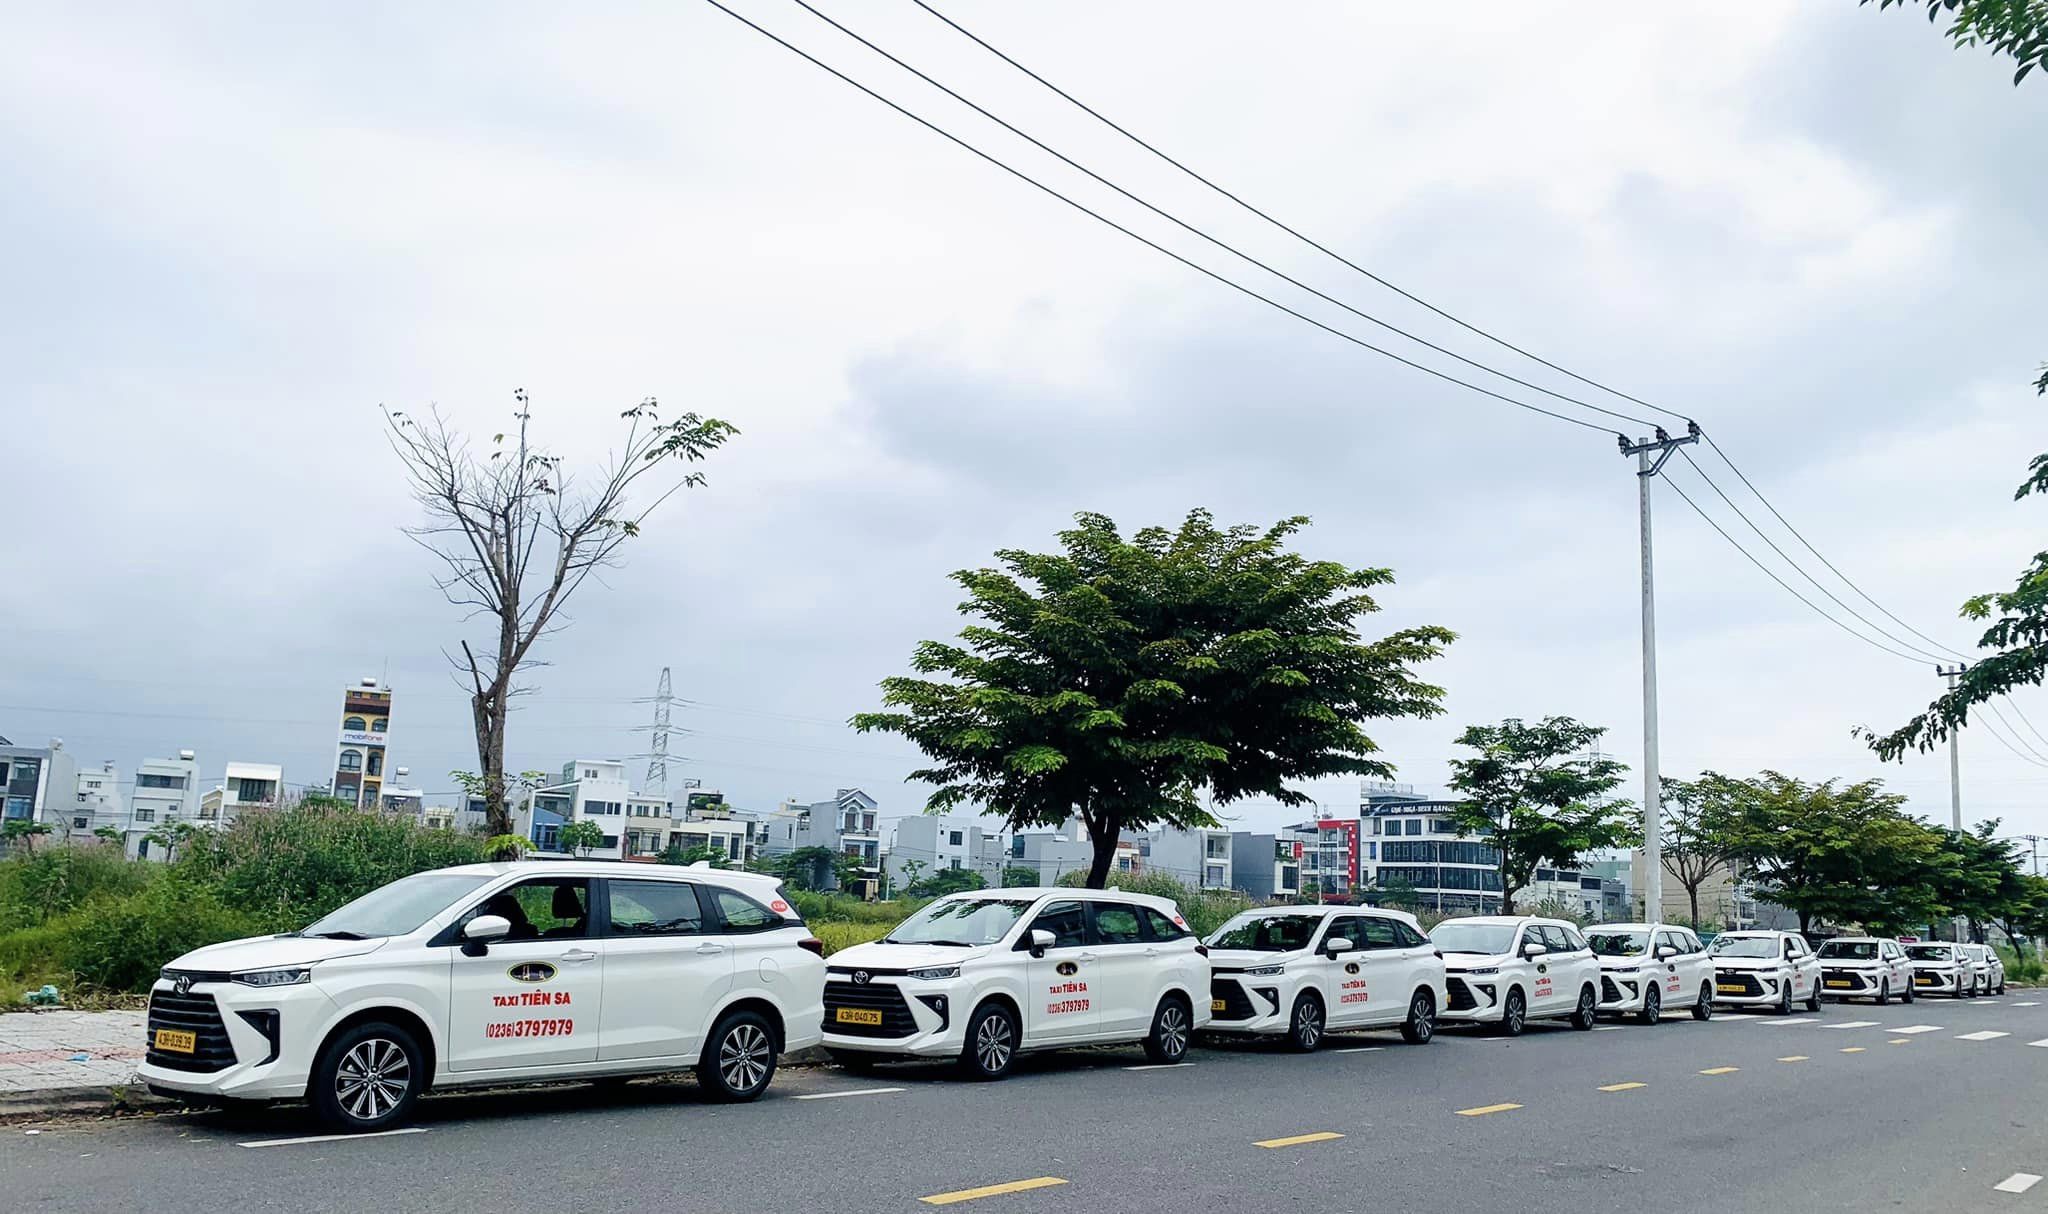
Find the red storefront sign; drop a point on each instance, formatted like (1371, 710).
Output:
(1349, 826)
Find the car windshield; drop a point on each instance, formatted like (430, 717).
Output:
(1746, 946)
(1619, 942)
(1488, 939)
(1928, 952)
(398, 908)
(1850, 950)
(961, 922)
(1267, 933)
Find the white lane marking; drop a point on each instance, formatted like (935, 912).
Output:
(1607, 1028)
(2043, 1043)
(1361, 1049)
(1853, 1024)
(1738, 1016)
(855, 1092)
(1986, 1035)
(2018, 1182)
(1911, 1029)
(293, 1142)
(1794, 1020)
(2027, 1003)
(1160, 1066)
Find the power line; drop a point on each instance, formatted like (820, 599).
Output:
(1318, 246)
(1153, 245)
(1226, 247)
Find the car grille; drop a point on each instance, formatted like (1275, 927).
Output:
(1461, 999)
(884, 998)
(1751, 988)
(195, 1014)
(1855, 979)
(1610, 992)
(1236, 1004)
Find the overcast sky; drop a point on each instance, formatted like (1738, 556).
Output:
(233, 231)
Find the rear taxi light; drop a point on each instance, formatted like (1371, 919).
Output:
(812, 944)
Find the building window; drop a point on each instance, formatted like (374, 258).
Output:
(1415, 826)
(355, 724)
(80, 823)
(376, 762)
(351, 760)
(144, 814)
(602, 809)
(1377, 826)
(19, 808)
(150, 779)
(590, 773)
(25, 771)
(380, 725)
(954, 838)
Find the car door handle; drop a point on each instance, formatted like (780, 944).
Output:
(1151, 952)
(579, 956)
(708, 949)
(1085, 958)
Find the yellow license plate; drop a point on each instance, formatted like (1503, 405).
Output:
(1923, 982)
(1731, 988)
(177, 1041)
(857, 1015)
(1215, 1005)
(1844, 983)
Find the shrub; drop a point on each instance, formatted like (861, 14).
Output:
(837, 936)
(843, 908)
(37, 888)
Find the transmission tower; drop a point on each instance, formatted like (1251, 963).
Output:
(657, 759)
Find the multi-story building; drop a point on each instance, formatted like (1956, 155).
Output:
(707, 823)
(1331, 855)
(647, 826)
(247, 787)
(360, 751)
(1268, 867)
(934, 843)
(467, 818)
(1725, 902)
(99, 802)
(399, 797)
(166, 792)
(847, 824)
(590, 790)
(1198, 857)
(1412, 844)
(1052, 854)
(38, 784)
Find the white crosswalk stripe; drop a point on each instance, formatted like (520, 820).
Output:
(1986, 1035)
(1794, 1020)
(1852, 1024)
(1911, 1029)
(2018, 1182)
(2043, 1043)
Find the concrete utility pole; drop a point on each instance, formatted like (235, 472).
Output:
(1653, 785)
(1955, 775)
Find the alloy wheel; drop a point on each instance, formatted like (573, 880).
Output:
(372, 1079)
(994, 1043)
(744, 1057)
(1173, 1031)
(1308, 1024)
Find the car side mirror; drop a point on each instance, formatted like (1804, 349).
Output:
(1338, 944)
(1665, 952)
(478, 933)
(1041, 940)
(1534, 950)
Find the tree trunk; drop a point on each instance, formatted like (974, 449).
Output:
(1692, 894)
(1805, 921)
(488, 712)
(1105, 857)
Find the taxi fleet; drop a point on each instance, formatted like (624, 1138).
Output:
(572, 970)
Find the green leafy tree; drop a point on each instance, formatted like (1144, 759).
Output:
(1699, 840)
(678, 854)
(107, 834)
(912, 870)
(581, 837)
(1839, 854)
(1533, 792)
(506, 847)
(946, 881)
(23, 834)
(1113, 679)
(807, 868)
(1020, 874)
(517, 535)
(2015, 28)
(1400, 893)
(1980, 878)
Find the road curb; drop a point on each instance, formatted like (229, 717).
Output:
(101, 1098)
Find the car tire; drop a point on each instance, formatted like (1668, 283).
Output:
(1514, 1013)
(1907, 995)
(859, 1062)
(1305, 1026)
(1704, 1009)
(367, 1078)
(992, 1041)
(739, 1060)
(1173, 1027)
(1587, 1013)
(1653, 1008)
(1420, 1026)
(1813, 999)
(1884, 992)
(1784, 1007)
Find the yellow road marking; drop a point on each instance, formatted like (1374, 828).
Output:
(1852, 1049)
(1484, 1109)
(1298, 1139)
(993, 1190)
(1623, 1087)
(1721, 1070)
(1793, 1058)
(1900, 1041)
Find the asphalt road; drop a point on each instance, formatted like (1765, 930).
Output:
(1807, 1114)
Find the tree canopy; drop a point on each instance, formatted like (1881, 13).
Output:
(1698, 836)
(1112, 680)
(2016, 28)
(1533, 791)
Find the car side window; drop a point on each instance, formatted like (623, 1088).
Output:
(739, 913)
(1554, 938)
(1693, 944)
(1670, 940)
(1409, 937)
(1374, 933)
(654, 908)
(1067, 921)
(1789, 950)
(1161, 927)
(1116, 923)
(547, 908)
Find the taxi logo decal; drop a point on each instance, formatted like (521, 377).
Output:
(531, 971)
(1067, 969)
(1351, 968)
(778, 906)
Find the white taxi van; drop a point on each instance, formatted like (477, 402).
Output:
(1765, 969)
(983, 976)
(1504, 970)
(1941, 968)
(1865, 967)
(1647, 967)
(491, 974)
(1306, 971)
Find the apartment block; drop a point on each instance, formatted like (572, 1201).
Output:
(166, 792)
(38, 784)
(361, 745)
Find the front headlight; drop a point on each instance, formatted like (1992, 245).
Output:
(278, 977)
(1265, 971)
(933, 973)
(1482, 971)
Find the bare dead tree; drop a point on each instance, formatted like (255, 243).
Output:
(518, 537)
